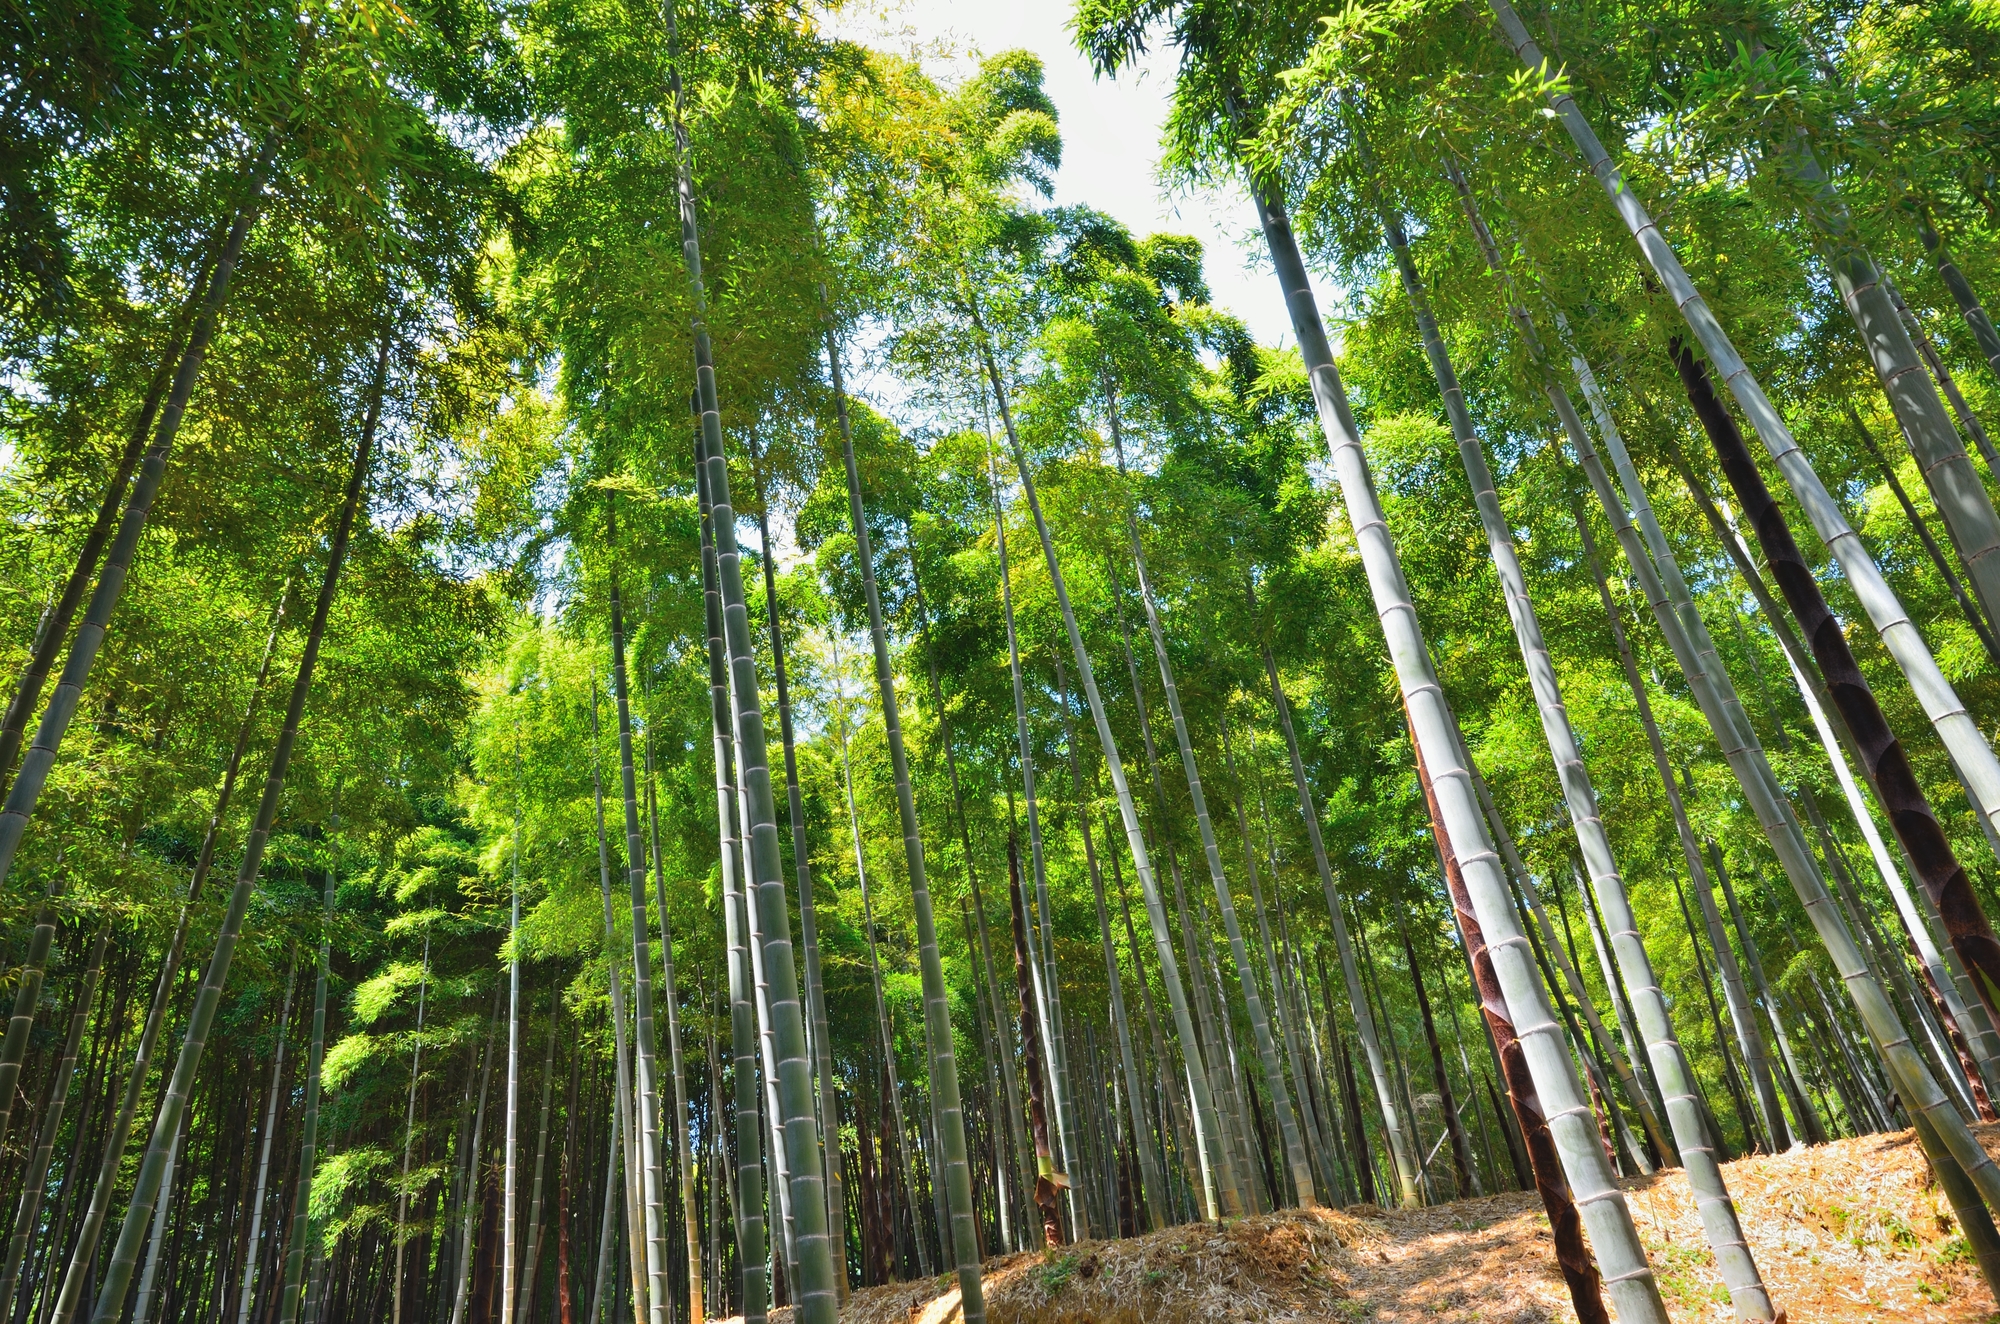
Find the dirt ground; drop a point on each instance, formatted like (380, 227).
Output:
(1847, 1231)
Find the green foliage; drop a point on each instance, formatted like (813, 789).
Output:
(496, 185)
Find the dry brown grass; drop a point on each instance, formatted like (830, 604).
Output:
(1845, 1232)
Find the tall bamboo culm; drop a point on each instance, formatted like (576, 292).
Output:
(752, 1234)
(1720, 1224)
(1613, 1235)
(117, 1279)
(1207, 1138)
(947, 1111)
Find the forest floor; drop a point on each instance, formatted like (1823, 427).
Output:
(1854, 1230)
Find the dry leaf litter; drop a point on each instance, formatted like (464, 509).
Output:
(1850, 1231)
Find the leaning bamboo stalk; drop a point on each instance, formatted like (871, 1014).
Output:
(1910, 815)
(1152, 1178)
(41, 756)
(1253, 1000)
(1401, 1152)
(752, 1235)
(1232, 1177)
(1176, 1119)
(117, 1279)
(1543, 1156)
(1579, 793)
(252, 1256)
(1613, 1235)
(53, 627)
(1948, 715)
(142, 1300)
(112, 1163)
(990, 989)
(1282, 1012)
(1670, 1067)
(885, 1030)
(1228, 1176)
(1714, 694)
(1962, 1002)
(1969, 307)
(1207, 1137)
(1926, 424)
(1794, 1082)
(1941, 374)
(820, 1038)
(1024, 751)
(1918, 525)
(816, 1292)
(34, 1184)
(1047, 1180)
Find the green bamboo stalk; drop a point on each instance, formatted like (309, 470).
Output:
(41, 756)
(1400, 1150)
(117, 1280)
(816, 1293)
(991, 986)
(1152, 1178)
(1176, 1118)
(676, 1067)
(1058, 1071)
(885, 1028)
(1836, 740)
(1806, 1120)
(34, 1183)
(947, 1111)
(1949, 717)
(820, 1037)
(1715, 696)
(1282, 1013)
(1221, 1082)
(510, 1168)
(531, 1258)
(752, 1236)
(1962, 294)
(409, 1143)
(295, 1294)
(1613, 1236)
(1260, 1025)
(1579, 794)
(645, 1039)
(1207, 1138)
(253, 1253)
(1925, 421)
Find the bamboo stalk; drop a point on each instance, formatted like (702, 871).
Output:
(1954, 725)
(117, 1279)
(41, 756)
(1267, 1050)
(1613, 1235)
(820, 1035)
(748, 1191)
(1151, 1176)
(1400, 1151)
(1057, 1082)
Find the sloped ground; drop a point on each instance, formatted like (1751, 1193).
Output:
(1848, 1231)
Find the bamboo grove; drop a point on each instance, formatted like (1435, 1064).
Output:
(645, 686)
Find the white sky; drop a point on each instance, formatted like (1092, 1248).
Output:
(1110, 129)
